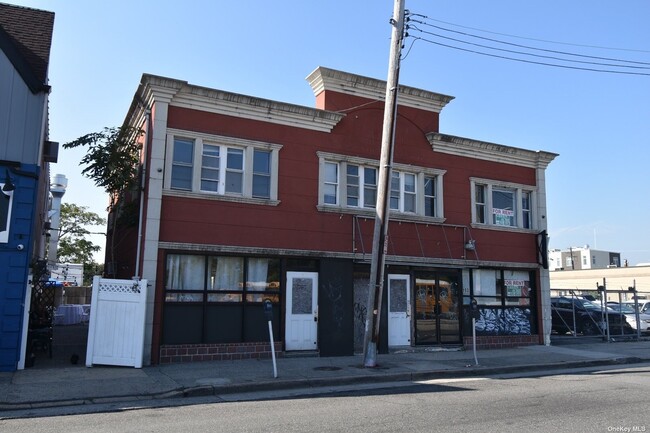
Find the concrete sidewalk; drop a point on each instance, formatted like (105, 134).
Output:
(78, 385)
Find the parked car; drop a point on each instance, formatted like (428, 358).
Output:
(630, 314)
(589, 317)
(644, 305)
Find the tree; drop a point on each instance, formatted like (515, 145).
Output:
(112, 162)
(112, 159)
(74, 247)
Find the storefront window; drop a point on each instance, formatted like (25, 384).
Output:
(496, 287)
(517, 287)
(218, 299)
(185, 274)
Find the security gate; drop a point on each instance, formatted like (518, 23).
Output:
(117, 322)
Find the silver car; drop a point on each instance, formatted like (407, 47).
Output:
(627, 308)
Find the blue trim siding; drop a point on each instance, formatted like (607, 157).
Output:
(14, 264)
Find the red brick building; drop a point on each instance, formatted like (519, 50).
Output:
(246, 199)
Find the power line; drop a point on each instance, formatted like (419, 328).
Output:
(533, 39)
(535, 55)
(532, 61)
(621, 66)
(524, 46)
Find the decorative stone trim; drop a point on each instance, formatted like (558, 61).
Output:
(175, 353)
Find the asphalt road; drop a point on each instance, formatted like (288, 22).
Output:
(586, 400)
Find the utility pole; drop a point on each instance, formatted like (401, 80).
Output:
(380, 235)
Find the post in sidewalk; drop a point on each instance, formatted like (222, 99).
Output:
(380, 234)
(474, 313)
(268, 312)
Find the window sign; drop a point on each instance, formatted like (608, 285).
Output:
(503, 217)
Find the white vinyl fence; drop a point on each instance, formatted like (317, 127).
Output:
(117, 322)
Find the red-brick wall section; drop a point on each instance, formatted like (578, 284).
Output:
(216, 352)
(501, 341)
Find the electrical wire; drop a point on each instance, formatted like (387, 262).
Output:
(608, 64)
(537, 55)
(533, 39)
(532, 61)
(529, 47)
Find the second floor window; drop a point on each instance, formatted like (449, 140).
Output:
(238, 169)
(503, 205)
(402, 192)
(351, 183)
(183, 160)
(361, 186)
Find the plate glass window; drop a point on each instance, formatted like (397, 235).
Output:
(503, 207)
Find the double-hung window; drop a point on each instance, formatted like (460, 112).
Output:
(403, 192)
(182, 164)
(331, 181)
(361, 186)
(226, 166)
(261, 173)
(502, 204)
(210, 165)
(430, 197)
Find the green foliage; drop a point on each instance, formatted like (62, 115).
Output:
(73, 245)
(111, 160)
(90, 270)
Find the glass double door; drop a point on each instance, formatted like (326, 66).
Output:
(437, 308)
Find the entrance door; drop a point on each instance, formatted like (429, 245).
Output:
(302, 311)
(437, 306)
(399, 315)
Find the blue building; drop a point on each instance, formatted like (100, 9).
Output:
(25, 154)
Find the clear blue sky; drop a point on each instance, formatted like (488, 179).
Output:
(599, 123)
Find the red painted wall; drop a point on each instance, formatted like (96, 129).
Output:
(297, 224)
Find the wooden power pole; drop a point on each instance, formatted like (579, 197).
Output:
(380, 235)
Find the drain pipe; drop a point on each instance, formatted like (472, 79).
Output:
(141, 187)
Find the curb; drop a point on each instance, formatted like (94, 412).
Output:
(215, 390)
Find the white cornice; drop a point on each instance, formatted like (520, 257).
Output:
(182, 94)
(322, 79)
(469, 148)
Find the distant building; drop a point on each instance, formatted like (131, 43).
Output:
(578, 258)
(618, 282)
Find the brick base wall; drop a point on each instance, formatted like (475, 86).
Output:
(216, 352)
(501, 341)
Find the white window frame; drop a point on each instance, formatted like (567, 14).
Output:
(4, 235)
(519, 212)
(402, 192)
(224, 143)
(419, 173)
(363, 186)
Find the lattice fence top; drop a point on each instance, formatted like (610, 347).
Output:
(119, 286)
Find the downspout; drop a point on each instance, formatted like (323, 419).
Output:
(141, 192)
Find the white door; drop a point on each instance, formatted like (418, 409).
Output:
(399, 313)
(302, 311)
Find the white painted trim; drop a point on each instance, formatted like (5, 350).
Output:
(325, 79)
(184, 95)
(476, 149)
